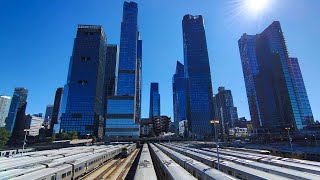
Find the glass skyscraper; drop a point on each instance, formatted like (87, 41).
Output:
(48, 114)
(301, 92)
(15, 121)
(56, 109)
(85, 84)
(110, 69)
(270, 91)
(123, 109)
(4, 106)
(179, 95)
(224, 110)
(198, 77)
(154, 101)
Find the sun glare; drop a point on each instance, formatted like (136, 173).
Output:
(256, 6)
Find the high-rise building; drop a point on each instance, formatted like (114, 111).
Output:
(179, 95)
(161, 124)
(154, 100)
(123, 109)
(85, 84)
(110, 69)
(270, 90)
(34, 124)
(110, 74)
(224, 110)
(48, 114)
(56, 109)
(4, 106)
(198, 77)
(301, 92)
(15, 123)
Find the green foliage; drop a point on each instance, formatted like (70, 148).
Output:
(94, 139)
(73, 135)
(65, 136)
(4, 136)
(50, 139)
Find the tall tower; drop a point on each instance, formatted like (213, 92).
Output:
(110, 69)
(224, 110)
(270, 91)
(4, 106)
(198, 77)
(154, 101)
(15, 121)
(56, 108)
(123, 109)
(301, 92)
(179, 95)
(85, 85)
(48, 114)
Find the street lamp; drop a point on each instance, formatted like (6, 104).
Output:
(290, 139)
(24, 141)
(216, 137)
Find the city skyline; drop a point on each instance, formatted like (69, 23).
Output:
(37, 102)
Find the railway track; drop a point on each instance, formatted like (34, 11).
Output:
(114, 166)
(127, 167)
(108, 173)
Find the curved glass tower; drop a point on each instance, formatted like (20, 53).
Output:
(198, 76)
(123, 109)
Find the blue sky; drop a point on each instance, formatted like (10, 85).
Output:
(37, 40)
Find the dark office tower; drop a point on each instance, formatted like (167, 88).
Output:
(138, 83)
(110, 69)
(48, 114)
(224, 110)
(56, 108)
(110, 73)
(270, 91)
(198, 78)
(15, 121)
(123, 109)
(85, 84)
(301, 92)
(179, 95)
(154, 100)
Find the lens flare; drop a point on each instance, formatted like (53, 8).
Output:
(244, 13)
(256, 6)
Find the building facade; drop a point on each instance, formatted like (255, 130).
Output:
(56, 114)
(85, 95)
(179, 95)
(161, 124)
(198, 76)
(34, 124)
(154, 100)
(146, 127)
(123, 109)
(48, 114)
(300, 92)
(15, 123)
(270, 90)
(183, 128)
(224, 110)
(110, 69)
(4, 106)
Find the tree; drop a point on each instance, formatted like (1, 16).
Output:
(94, 139)
(73, 135)
(4, 136)
(65, 136)
(50, 139)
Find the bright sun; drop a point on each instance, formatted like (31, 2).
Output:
(256, 6)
